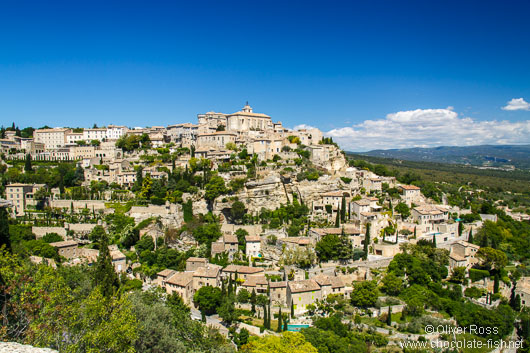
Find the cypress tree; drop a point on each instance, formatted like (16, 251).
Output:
(517, 306)
(366, 241)
(104, 274)
(27, 166)
(434, 240)
(279, 329)
(253, 301)
(265, 317)
(337, 219)
(343, 209)
(269, 318)
(460, 228)
(414, 232)
(292, 310)
(389, 316)
(4, 229)
(470, 236)
(496, 280)
(512, 296)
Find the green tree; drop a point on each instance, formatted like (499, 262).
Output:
(327, 248)
(104, 274)
(458, 275)
(208, 299)
(366, 241)
(52, 238)
(287, 342)
(279, 328)
(214, 188)
(237, 211)
(241, 338)
(492, 258)
(227, 310)
(97, 234)
(27, 166)
(243, 296)
(403, 210)
(392, 284)
(364, 294)
(4, 229)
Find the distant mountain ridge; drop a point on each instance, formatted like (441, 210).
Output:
(498, 156)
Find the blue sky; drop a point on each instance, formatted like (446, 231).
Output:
(330, 64)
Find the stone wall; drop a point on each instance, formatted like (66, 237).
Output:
(13, 347)
(79, 204)
(42, 231)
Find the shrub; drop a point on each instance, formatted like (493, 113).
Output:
(473, 292)
(476, 274)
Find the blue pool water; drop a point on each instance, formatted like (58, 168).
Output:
(296, 328)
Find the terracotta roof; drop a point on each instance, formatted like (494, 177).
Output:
(457, 257)
(254, 280)
(210, 272)
(91, 255)
(409, 187)
(116, 254)
(252, 238)
(337, 231)
(296, 240)
(242, 269)
(368, 214)
(230, 239)
(307, 285)
(218, 247)
(197, 259)
(467, 244)
(322, 280)
(336, 282)
(362, 202)
(181, 279)
(165, 273)
(63, 244)
(429, 209)
(281, 284)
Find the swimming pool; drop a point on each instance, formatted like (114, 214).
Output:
(296, 328)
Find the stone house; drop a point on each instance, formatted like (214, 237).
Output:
(243, 272)
(193, 263)
(67, 248)
(206, 276)
(181, 283)
(253, 246)
(278, 292)
(463, 254)
(300, 294)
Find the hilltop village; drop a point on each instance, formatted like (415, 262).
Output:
(259, 229)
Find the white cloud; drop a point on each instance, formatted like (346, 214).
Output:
(517, 104)
(303, 127)
(428, 128)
